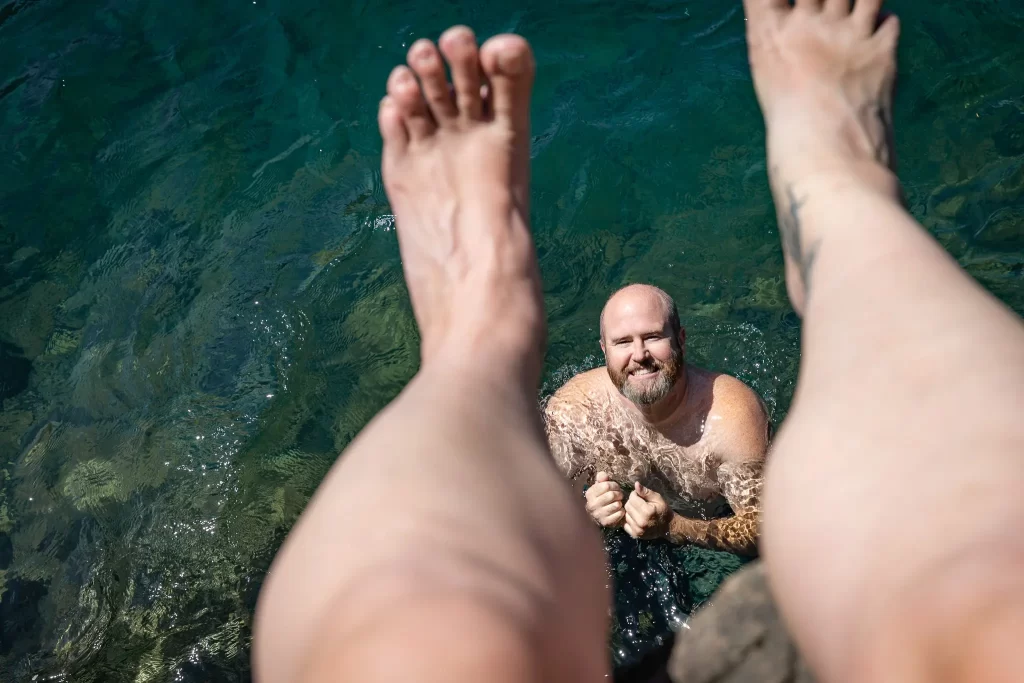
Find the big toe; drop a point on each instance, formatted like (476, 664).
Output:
(508, 64)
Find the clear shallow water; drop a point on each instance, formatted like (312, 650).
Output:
(200, 291)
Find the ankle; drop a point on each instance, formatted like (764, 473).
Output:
(837, 144)
(502, 343)
(845, 177)
(822, 201)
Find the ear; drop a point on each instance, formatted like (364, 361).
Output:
(682, 339)
(601, 342)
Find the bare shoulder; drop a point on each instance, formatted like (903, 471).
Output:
(741, 418)
(566, 418)
(579, 394)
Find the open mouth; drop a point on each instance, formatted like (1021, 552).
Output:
(644, 372)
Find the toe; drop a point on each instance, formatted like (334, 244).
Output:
(458, 45)
(865, 13)
(507, 62)
(425, 60)
(837, 9)
(888, 34)
(392, 125)
(757, 10)
(404, 92)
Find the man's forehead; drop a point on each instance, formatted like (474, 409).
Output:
(635, 307)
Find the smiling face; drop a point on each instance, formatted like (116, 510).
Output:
(642, 343)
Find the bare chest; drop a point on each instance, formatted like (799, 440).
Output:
(685, 473)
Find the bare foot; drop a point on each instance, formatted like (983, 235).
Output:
(824, 76)
(456, 170)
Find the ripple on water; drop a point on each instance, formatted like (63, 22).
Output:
(166, 167)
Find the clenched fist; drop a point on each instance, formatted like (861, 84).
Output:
(648, 516)
(604, 501)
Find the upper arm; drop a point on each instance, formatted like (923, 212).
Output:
(743, 430)
(742, 443)
(741, 484)
(562, 426)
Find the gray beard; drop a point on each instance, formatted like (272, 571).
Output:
(648, 394)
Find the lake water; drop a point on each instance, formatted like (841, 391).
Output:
(201, 298)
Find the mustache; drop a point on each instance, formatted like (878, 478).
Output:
(649, 365)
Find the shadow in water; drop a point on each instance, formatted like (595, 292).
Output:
(14, 370)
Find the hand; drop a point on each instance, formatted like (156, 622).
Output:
(604, 501)
(647, 514)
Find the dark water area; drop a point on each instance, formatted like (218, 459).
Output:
(201, 298)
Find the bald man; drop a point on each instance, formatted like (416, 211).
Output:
(672, 451)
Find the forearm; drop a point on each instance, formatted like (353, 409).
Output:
(737, 534)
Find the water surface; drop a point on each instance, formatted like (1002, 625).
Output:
(201, 298)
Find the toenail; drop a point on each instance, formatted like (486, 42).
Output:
(423, 53)
(510, 63)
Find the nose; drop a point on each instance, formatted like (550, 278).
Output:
(639, 350)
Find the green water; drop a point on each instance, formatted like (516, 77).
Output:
(201, 298)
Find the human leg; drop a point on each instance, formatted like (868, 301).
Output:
(446, 516)
(892, 512)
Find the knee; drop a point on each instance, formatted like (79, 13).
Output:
(433, 639)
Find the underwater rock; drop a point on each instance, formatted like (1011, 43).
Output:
(738, 638)
(27, 318)
(63, 341)
(94, 482)
(1003, 229)
(766, 293)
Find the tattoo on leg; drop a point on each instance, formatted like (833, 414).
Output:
(792, 243)
(807, 264)
(789, 226)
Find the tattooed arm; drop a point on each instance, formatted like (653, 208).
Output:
(740, 445)
(741, 485)
(739, 437)
(561, 423)
(604, 499)
(648, 516)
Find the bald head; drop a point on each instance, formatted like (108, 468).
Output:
(640, 297)
(642, 342)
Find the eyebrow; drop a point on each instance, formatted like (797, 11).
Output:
(649, 333)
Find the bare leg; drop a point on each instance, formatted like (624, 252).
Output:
(894, 518)
(444, 545)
